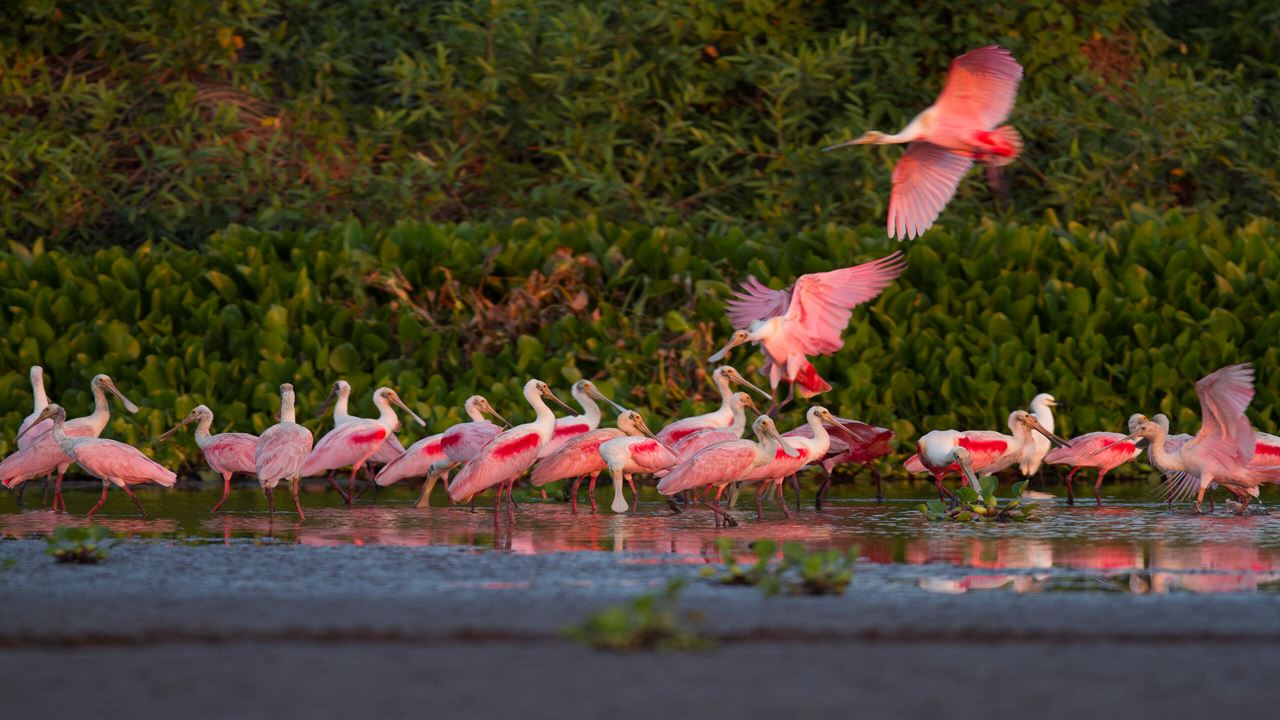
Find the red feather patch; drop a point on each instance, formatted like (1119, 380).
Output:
(517, 446)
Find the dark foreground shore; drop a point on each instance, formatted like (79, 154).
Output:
(245, 630)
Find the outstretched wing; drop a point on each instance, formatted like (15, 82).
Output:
(754, 301)
(924, 180)
(1224, 395)
(822, 303)
(981, 87)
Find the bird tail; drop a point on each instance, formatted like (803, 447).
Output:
(1008, 144)
(809, 381)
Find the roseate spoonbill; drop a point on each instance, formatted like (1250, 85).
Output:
(340, 395)
(114, 463)
(810, 446)
(509, 454)
(716, 466)
(627, 456)
(1223, 449)
(422, 456)
(282, 450)
(722, 376)
(961, 127)
(44, 455)
(1105, 451)
(807, 318)
(226, 453)
(987, 452)
(691, 444)
(40, 400)
(462, 441)
(1042, 407)
(355, 441)
(580, 457)
(586, 393)
(872, 444)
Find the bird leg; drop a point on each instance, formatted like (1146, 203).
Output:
(297, 504)
(511, 502)
(271, 500)
(226, 491)
(759, 510)
(21, 489)
(57, 491)
(671, 503)
(591, 491)
(1071, 495)
(715, 504)
(735, 491)
(573, 494)
(876, 475)
(351, 486)
(782, 498)
(822, 489)
(101, 500)
(795, 485)
(135, 499)
(1097, 486)
(334, 485)
(635, 494)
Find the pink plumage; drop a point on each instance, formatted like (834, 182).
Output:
(347, 445)
(567, 428)
(717, 465)
(119, 463)
(414, 462)
(281, 452)
(505, 457)
(462, 441)
(41, 457)
(577, 457)
(691, 444)
(389, 450)
(231, 452)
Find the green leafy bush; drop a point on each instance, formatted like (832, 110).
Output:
(1111, 321)
(128, 120)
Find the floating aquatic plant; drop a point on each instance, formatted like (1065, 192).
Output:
(648, 622)
(82, 545)
(969, 505)
(797, 571)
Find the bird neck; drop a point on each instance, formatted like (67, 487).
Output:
(1160, 457)
(40, 399)
(287, 414)
(590, 408)
(473, 411)
(101, 414)
(544, 419)
(739, 423)
(821, 438)
(64, 441)
(203, 428)
(342, 407)
(386, 414)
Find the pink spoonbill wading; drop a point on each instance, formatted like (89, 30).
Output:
(282, 450)
(580, 458)
(961, 127)
(714, 467)
(587, 395)
(691, 444)
(508, 455)
(39, 401)
(981, 452)
(806, 319)
(1042, 407)
(352, 443)
(44, 455)
(225, 453)
(626, 457)
(809, 447)
(462, 441)
(720, 418)
(340, 395)
(112, 462)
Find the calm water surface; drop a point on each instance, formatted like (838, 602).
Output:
(1132, 543)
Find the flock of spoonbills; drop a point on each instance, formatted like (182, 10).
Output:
(706, 454)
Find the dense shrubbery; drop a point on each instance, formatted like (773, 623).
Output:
(147, 119)
(1111, 321)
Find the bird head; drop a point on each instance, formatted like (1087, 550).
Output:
(1029, 421)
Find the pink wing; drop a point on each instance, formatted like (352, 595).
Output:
(719, 464)
(577, 457)
(281, 452)
(780, 466)
(755, 301)
(1267, 450)
(389, 450)
(913, 464)
(346, 445)
(231, 452)
(29, 439)
(108, 459)
(691, 444)
(414, 462)
(504, 458)
(822, 303)
(462, 441)
(981, 88)
(680, 429)
(567, 428)
(988, 450)
(40, 459)
(924, 180)
(1224, 429)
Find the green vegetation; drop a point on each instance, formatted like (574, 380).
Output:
(81, 545)
(1112, 322)
(127, 120)
(649, 622)
(798, 572)
(969, 505)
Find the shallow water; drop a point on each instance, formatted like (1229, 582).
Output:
(1130, 544)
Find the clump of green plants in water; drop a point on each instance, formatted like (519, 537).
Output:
(648, 622)
(798, 571)
(969, 505)
(82, 545)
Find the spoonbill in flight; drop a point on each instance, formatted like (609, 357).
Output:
(282, 450)
(961, 127)
(806, 319)
(225, 453)
(112, 462)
